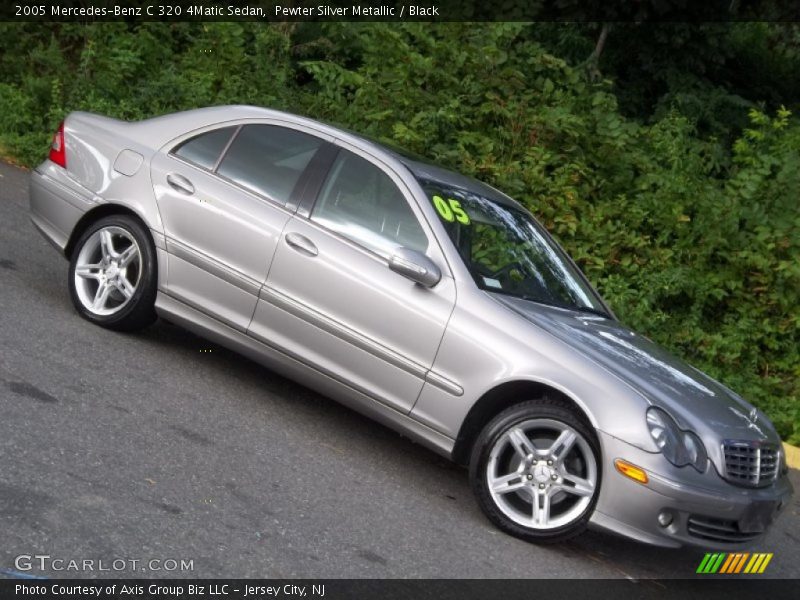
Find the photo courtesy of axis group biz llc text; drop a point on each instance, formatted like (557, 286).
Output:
(442, 299)
(169, 589)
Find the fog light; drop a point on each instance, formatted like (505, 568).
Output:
(665, 518)
(631, 471)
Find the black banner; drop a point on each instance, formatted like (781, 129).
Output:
(415, 10)
(396, 589)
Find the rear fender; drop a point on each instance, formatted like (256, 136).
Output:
(106, 165)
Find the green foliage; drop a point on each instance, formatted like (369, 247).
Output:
(132, 72)
(674, 182)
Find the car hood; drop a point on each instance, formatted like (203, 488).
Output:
(695, 400)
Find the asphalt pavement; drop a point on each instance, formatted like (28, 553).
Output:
(162, 446)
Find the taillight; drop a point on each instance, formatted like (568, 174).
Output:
(58, 150)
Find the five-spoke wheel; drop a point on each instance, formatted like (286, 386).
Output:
(112, 274)
(535, 471)
(108, 270)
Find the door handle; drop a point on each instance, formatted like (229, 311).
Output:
(301, 243)
(180, 184)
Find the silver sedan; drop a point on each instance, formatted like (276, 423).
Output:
(427, 300)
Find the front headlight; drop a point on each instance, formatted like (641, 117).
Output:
(679, 447)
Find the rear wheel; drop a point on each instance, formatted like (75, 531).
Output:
(535, 471)
(112, 274)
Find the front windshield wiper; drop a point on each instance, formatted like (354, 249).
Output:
(591, 310)
(584, 309)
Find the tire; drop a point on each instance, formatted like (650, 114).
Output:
(112, 274)
(508, 471)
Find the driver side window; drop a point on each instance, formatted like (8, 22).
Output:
(359, 201)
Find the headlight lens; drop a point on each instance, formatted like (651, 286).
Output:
(679, 447)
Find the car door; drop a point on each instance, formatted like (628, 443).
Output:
(222, 197)
(331, 300)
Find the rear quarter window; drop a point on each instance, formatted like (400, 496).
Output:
(205, 149)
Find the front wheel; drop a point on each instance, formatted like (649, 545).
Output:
(534, 470)
(112, 274)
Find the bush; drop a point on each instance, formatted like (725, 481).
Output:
(688, 226)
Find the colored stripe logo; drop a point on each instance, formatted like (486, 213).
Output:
(734, 563)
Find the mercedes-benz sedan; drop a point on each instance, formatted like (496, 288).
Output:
(430, 301)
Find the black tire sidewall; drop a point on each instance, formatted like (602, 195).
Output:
(542, 409)
(139, 311)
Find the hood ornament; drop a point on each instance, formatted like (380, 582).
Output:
(751, 419)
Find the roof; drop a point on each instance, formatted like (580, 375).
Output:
(169, 126)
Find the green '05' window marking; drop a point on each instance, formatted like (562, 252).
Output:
(450, 210)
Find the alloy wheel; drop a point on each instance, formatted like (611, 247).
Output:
(108, 271)
(542, 474)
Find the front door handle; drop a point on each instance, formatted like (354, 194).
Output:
(301, 243)
(180, 184)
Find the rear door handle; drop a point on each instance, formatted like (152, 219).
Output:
(301, 243)
(180, 184)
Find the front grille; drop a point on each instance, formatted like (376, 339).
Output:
(717, 530)
(751, 464)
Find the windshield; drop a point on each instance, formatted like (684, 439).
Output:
(507, 251)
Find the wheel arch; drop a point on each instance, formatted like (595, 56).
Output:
(501, 397)
(94, 215)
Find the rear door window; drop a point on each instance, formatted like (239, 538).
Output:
(268, 159)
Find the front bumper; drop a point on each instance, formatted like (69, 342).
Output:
(706, 510)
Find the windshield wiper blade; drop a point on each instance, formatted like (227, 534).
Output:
(584, 309)
(590, 310)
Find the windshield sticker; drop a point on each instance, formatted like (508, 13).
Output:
(450, 210)
(489, 282)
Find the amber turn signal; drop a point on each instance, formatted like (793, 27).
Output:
(631, 471)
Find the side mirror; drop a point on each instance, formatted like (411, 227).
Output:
(416, 266)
